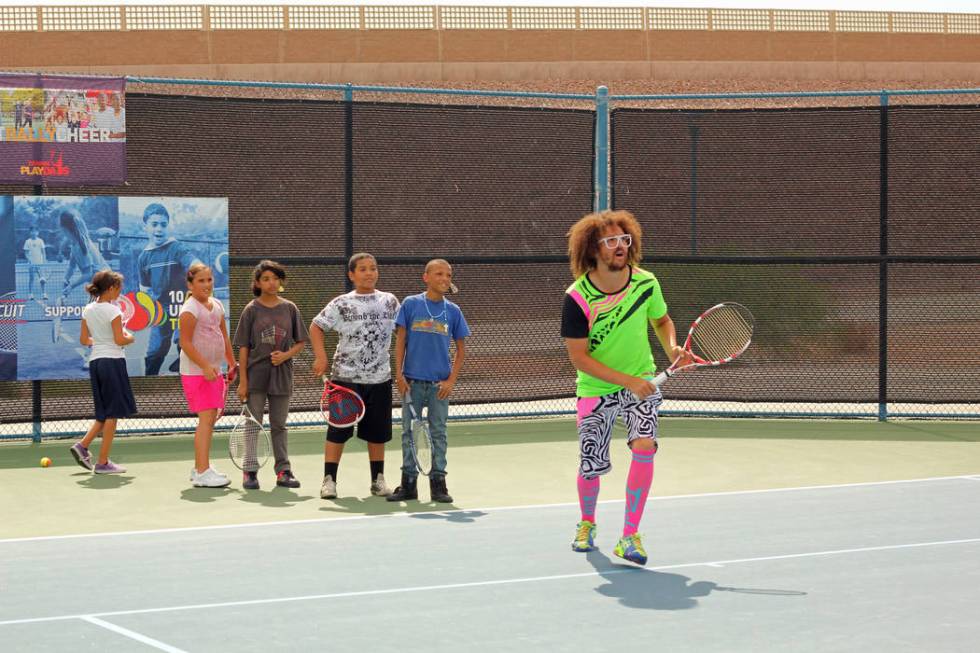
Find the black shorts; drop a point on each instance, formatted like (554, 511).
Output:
(375, 426)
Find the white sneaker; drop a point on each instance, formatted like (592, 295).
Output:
(379, 487)
(194, 473)
(210, 478)
(329, 488)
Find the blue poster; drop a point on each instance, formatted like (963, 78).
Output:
(60, 242)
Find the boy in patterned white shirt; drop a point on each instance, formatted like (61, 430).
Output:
(364, 319)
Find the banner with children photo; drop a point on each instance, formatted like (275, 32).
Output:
(57, 243)
(62, 130)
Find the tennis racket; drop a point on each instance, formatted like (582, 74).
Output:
(249, 444)
(718, 336)
(419, 439)
(341, 407)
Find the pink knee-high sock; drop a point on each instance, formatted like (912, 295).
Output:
(637, 488)
(588, 494)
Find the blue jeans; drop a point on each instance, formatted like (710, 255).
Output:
(424, 395)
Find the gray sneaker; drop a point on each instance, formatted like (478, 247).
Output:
(81, 455)
(109, 468)
(329, 488)
(379, 488)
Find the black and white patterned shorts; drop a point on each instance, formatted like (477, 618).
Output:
(596, 416)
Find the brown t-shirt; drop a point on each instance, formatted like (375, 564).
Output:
(264, 330)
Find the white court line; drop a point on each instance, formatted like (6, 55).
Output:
(541, 506)
(125, 632)
(484, 583)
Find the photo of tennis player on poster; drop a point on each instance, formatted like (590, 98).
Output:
(160, 237)
(60, 242)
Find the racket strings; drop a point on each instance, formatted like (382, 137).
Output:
(246, 446)
(721, 334)
(343, 408)
(422, 443)
(10, 313)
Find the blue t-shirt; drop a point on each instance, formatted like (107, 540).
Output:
(163, 270)
(429, 326)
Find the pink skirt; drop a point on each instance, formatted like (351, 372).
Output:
(203, 394)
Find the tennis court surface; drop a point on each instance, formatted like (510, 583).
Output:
(807, 536)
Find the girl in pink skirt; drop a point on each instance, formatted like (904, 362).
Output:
(204, 343)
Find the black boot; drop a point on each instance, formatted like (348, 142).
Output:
(438, 491)
(407, 491)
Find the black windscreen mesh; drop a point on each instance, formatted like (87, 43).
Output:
(762, 183)
(934, 333)
(444, 180)
(934, 181)
(808, 184)
(428, 181)
(494, 190)
(816, 330)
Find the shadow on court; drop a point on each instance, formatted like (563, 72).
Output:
(103, 481)
(418, 509)
(459, 517)
(206, 494)
(648, 589)
(139, 449)
(277, 497)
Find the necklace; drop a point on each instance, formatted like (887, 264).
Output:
(425, 300)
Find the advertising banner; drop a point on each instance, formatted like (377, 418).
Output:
(62, 130)
(52, 245)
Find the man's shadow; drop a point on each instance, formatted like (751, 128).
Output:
(635, 587)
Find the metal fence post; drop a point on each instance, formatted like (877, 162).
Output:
(36, 411)
(601, 174)
(883, 263)
(348, 178)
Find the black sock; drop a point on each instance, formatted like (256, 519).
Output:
(330, 469)
(377, 467)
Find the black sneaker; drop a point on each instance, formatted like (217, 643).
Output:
(250, 480)
(285, 478)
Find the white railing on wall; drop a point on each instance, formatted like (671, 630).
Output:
(305, 17)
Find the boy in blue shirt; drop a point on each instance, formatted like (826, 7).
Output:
(423, 329)
(162, 269)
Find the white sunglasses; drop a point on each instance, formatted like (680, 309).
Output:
(612, 242)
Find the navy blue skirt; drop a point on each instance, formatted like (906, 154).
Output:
(111, 393)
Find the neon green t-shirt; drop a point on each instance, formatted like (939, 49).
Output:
(616, 325)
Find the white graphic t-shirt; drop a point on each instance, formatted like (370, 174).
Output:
(365, 324)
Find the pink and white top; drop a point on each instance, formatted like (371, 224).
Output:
(208, 339)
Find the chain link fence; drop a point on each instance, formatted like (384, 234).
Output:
(851, 232)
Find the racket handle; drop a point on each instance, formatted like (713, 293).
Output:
(660, 378)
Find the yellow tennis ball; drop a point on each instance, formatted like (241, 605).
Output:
(45, 462)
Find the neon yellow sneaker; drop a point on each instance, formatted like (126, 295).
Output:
(630, 547)
(584, 537)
